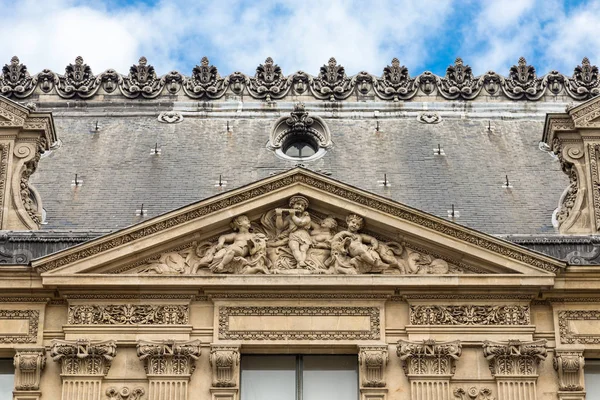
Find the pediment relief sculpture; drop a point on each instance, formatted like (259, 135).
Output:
(296, 240)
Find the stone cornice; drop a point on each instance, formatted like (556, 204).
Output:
(297, 176)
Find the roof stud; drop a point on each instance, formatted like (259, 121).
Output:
(377, 127)
(228, 128)
(141, 212)
(384, 182)
(507, 184)
(453, 213)
(220, 183)
(77, 182)
(155, 151)
(439, 151)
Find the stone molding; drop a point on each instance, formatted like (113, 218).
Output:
(29, 364)
(567, 336)
(125, 393)
(514, 358)
(469, 315)
(270, 83)
(128, 314)
(429, 358)
(300, 176)
(225, 364)
(83, 357)
(33, 319)
(169, 357)
(225, 333)
(569, 366)
(373, 362)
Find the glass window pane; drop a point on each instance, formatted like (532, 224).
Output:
(592, 379)
(268, 378)
(330, 378)
(7, 376)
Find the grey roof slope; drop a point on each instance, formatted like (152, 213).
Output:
(119, 172)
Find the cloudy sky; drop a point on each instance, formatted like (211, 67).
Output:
(238, 35)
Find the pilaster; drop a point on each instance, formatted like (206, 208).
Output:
(84, 364)
(225, 363)
(169, 365)
(29, 364)
(373, 362)
(569, 366)
(429, 367)
(514, 365)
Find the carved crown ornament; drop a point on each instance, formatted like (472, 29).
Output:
(294, 235)
(330, 83)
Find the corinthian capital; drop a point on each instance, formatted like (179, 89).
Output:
(83, 357)
(514, 357)
(429, 357)
(169, 357)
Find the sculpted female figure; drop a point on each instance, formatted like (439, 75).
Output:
(295, 226)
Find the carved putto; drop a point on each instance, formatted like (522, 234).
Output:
(293, 240)
(459, 82)
(395, 83)
(205, 82)
(142, 79)
(332, 82)
(268, 82)
(78, 80)
(523, 82)
(15, 79)
(584, 84)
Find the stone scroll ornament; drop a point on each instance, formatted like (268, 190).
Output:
(269, 82)
(142, 80)
(332, 82)
(78, 80)
(15, 80)
(459, 82)
(205, 82)
(294, 241)
(396, 84)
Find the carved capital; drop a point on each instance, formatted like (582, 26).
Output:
(83, 357)
(514, 358)
(169, 357)
(569, 365)
(429, 357)
(29, 364)
(373, 361)
(225, 361)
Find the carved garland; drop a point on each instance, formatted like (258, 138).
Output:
(128, 314)
(469, 315)
(32, 316)
(374, 332)
(333, 189)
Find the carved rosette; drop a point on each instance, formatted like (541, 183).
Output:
(395, 83)
(78, 80)
(569, 366)
(29, 364)
(125, 393)
(522, 82)
(205, 82)
(373, 362)
(269, 82)
(169, 357)
(514, 358)
(473, 393)
(83, 357)
(15, 80)
(585, 83)
(225, 361)
(142, 79)
(332, 83)
(429, 357)
(459, 82)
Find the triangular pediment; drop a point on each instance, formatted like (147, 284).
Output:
(250, 231)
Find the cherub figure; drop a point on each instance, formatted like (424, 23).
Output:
(240, 252)
(295, 226)
(323, 233)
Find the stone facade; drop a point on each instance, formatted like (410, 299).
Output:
(299, 260)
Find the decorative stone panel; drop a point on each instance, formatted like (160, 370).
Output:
(429, 365)
(19, 334)
(84, 364)
(128, 314)
(169, 365)
(225, 363)
(469, 315)
(568, 321)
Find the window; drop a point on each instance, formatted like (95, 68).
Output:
(7, 376)
(592, 379)
(303, 377)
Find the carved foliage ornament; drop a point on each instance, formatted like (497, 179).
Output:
(205, 82)
(429, 357)
(395, 83)
(473, 393)
(128, 314)
(469, 315)
(78, 80)
(125, 393)
(585, 83)
(15, 80)
(29, 364)
(569, 365)
(332, 83)
(83, 357)
(225, 361)
(459, 82)
(373, 361)
(169, 357)
(523, 82)
(269, 82)
(142, 79)
(515, 358)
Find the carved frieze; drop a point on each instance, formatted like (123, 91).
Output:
(569, 366)
(429, 357)
(169, 357)
(514, 358)
(205, 82)
(128, 314)
(33, 319)
(225, 361)
(83, 357)
(373, 362)
(469, 315)
(29, 364)
(125, 393)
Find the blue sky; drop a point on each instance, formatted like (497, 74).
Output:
(238, 35)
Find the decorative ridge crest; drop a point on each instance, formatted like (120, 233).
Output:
(330, 84)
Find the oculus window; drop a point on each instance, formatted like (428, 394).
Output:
(7, 377)
(299, 377)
